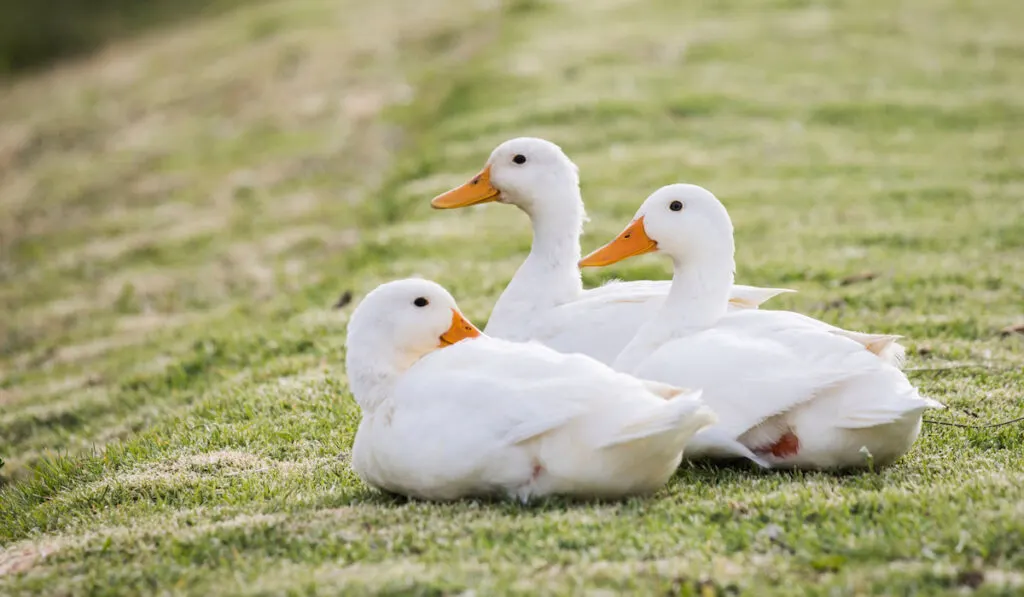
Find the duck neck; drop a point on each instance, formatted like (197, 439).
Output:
(550, 276)
(552, 266)
(700, 290)
(698, 298)
(371, 377)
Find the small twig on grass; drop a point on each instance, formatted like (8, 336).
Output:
(965, 426)
(966, 411)
(858, 277)
(936, 370)
(954, 367)
(343, 300)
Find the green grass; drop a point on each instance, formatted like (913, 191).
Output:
(179, 214)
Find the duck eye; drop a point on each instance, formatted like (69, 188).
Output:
(676, 205)
(421, 302)
(519, 159)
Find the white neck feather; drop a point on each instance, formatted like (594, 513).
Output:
(550, 276)
(699, 297)
(372, 370)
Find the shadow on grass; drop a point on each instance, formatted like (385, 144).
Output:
(726, 471)
(719, 473)
(497, 502)
(34, 34)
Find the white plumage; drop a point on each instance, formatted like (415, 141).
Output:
(545, 300)
(487, 416)
(789, 391)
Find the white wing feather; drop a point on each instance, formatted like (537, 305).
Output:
(503, 394)
(749, 378)
(604, 319)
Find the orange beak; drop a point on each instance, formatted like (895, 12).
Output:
(478, 190)
(630, 242)
(460, 329)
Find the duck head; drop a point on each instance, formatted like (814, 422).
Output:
(533, 174)
(685, 221)
(397, 324)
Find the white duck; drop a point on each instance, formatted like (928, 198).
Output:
(483, 416)
(789, 391)
(545, 300)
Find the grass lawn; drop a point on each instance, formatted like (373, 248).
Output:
(180, 212)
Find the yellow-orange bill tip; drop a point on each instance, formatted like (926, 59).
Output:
(460, 329)
(478, 190)
(630, 242)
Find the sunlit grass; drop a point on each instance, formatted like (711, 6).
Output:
(179, 214)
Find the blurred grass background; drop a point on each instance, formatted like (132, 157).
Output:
(34, 35)
(185, 197)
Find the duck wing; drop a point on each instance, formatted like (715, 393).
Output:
(741, 296)
(750, 377)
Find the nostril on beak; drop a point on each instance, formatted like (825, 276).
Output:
(476, 180)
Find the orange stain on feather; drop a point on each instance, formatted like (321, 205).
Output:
(786, 446)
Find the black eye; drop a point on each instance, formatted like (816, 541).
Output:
(519, 159)
(421, 302)
(675, 205)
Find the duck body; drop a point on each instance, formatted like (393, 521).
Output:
(487, 417)
(791, 396)
(788, 390)
(491, 417)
